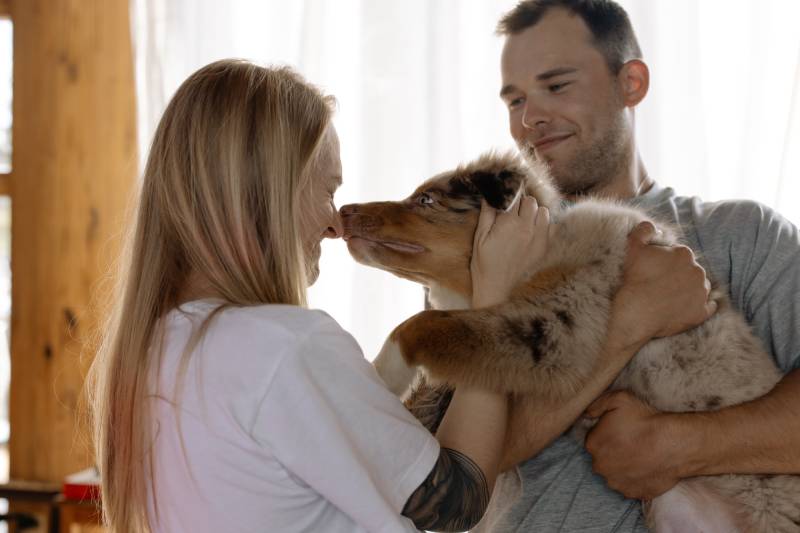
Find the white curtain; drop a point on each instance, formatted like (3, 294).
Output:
(417, 85)
(722, 119)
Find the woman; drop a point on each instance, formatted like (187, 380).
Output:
(221, 403)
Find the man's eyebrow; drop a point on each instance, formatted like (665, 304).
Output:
(507, 89)
(555, 72)
(552, 73)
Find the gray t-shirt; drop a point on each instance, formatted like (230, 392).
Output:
(742, 244)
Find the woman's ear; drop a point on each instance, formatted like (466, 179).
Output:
(634, 82)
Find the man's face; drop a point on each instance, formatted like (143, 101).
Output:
(564, 105)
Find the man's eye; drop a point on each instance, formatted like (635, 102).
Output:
(425, 199)
(556, 87)
(516, 102)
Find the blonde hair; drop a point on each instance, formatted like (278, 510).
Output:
(219, 198)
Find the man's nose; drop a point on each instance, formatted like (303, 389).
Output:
(335, 229)
(534, 116)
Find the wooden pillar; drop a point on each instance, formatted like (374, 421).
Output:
(74, 165)
(5, 179)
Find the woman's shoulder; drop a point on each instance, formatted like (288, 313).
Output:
(275, 326)
(244, 348)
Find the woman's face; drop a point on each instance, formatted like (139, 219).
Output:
(320, 218)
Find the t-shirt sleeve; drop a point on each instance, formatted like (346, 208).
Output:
(757, 252)
(330, 420)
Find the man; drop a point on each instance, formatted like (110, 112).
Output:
(572, 77)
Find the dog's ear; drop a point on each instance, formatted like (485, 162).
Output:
(498, 189)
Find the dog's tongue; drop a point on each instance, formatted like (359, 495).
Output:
(403, 247)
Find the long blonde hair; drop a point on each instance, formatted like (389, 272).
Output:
(219, 198)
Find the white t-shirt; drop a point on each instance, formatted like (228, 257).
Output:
(286, 427)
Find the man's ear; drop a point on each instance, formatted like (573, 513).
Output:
(500, 189)
(634, 82)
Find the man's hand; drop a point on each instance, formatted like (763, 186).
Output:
(631, 446)
(664, 290)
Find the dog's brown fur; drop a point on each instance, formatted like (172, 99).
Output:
(545, 341)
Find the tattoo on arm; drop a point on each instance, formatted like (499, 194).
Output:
(453, 497)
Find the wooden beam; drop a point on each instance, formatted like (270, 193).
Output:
(5, 184)
(5, 8)
(74, 168)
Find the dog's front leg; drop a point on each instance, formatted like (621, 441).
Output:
(510, 348)
(393, 369)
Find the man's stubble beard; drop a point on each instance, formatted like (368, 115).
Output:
(594, 167)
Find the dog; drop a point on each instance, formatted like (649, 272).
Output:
(543, 343)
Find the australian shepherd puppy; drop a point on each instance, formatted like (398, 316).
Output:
(544, 342)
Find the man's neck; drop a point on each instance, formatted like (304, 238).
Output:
(632, 181)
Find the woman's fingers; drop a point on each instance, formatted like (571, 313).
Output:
(528, 208)
(542, 217)
(525, 210)
(485, 220)
(515, 207)
(507, 244)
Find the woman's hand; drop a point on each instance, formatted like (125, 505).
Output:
(506, 246)
(664, 291)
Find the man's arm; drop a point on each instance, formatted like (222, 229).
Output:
(642, 453)
(758, 437)
(646, 306)
(546, 421)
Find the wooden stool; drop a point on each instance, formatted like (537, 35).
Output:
(31, 506)
(78, 516)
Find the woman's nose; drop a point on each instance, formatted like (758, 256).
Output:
(335, 229)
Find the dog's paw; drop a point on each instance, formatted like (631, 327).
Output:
(393, 369)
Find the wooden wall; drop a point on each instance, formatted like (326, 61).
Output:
(74, 163)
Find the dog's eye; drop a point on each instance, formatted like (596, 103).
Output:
(425, 199)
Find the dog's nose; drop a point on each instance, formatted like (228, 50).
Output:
(349, 209)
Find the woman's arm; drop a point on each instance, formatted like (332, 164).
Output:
(456, 493)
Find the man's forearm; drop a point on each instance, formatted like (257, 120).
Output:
(535, 424)
(757, 437)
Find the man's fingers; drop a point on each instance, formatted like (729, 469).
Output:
(607, 402)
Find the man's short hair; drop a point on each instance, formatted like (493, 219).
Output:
(611, 28)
